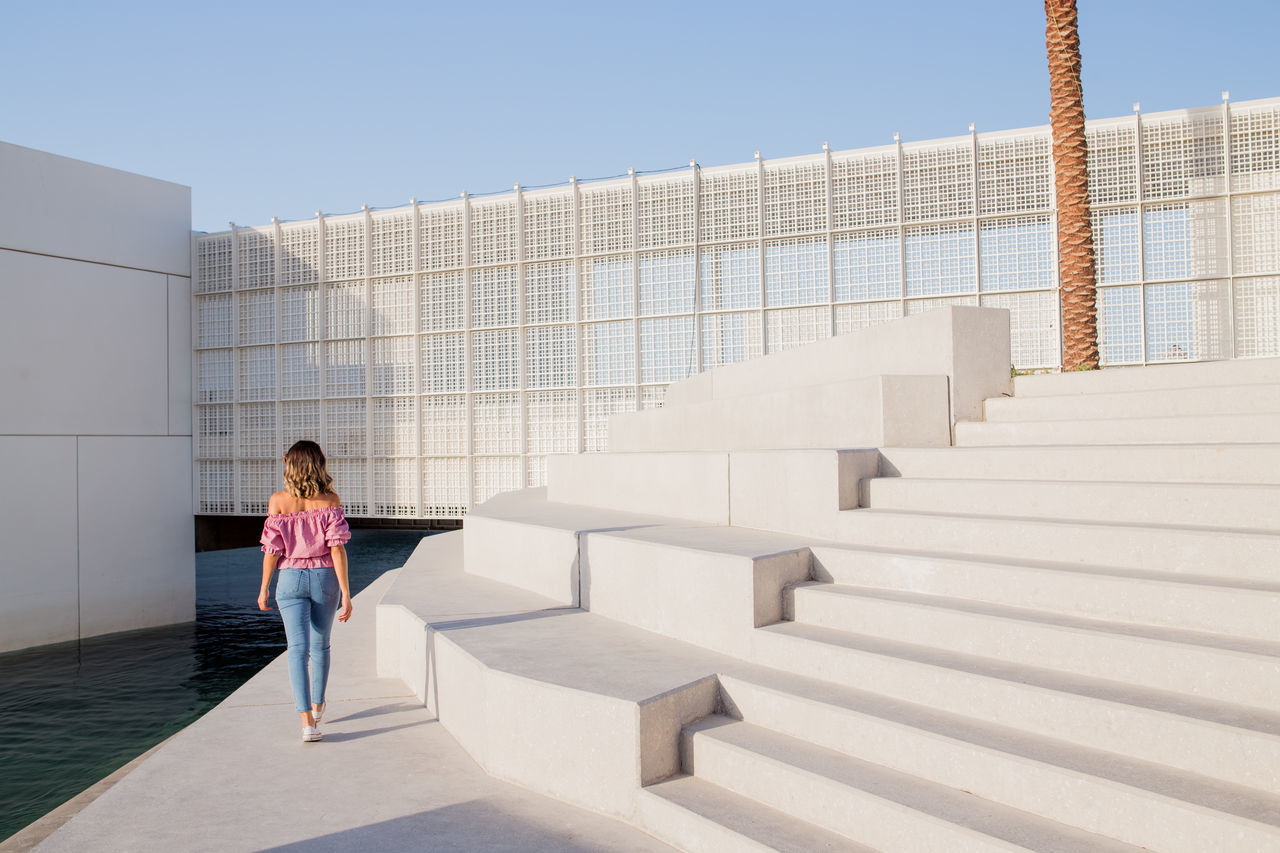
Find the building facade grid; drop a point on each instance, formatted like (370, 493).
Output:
(439, 352)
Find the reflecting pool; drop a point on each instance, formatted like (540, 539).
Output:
(71, 714)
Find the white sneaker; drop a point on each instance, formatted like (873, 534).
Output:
(311, 734)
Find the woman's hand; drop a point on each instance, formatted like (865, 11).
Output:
(264, 600)
(344, 612)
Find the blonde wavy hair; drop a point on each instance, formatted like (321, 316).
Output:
(305, 472)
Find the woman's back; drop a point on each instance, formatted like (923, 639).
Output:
(283, 503)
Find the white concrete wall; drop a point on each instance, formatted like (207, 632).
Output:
(95, 400)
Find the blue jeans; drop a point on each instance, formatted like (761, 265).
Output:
(308, 601)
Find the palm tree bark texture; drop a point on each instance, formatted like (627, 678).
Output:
(1071, 184)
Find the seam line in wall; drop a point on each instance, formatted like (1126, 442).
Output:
(168, 357)
(84, 261)
(78, 618)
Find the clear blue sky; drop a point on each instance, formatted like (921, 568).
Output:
(284, 108)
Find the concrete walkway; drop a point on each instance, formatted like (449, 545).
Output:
(387, 777)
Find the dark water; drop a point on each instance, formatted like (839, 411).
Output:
(73, 713)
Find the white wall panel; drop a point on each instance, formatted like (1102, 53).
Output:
(84, 348)
(58, 206)
(136, 534)
(38, 528)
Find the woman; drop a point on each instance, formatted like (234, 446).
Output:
(306, 527)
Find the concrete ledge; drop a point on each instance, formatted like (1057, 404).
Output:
(873, 411)
(968, 344)
(1135, 463)
(692, 486)
(534, 691)
(1158, 403)
(521, 539)
(1204, 552)
(1189, 429)
(795, 491)
(662, 579)
(1205, 373)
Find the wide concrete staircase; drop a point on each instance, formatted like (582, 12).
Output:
(1062, 633)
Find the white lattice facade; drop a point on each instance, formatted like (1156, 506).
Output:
(439, 352)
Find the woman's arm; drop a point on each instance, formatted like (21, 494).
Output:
(268, 567)
(339, 553)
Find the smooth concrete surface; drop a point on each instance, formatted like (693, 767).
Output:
(1158, 403)
(970, 345)
(1084, 718)
(386, 777)
(1230, 669)
(1137, 463)
(96, 338)
(1220, 605)
(557, 699)
(1256, 505)
(119, 218)
(520, 538)
(1201, 429)
(1039, 775)
(694, 486)
(1000, 648)
(87, 346)
(789, 490)
(1150, 378)
(881, 410)
(798, 491)
(886, 809)
(1201, 552)
(701, 817)
(136, 538)
(40, 603)
(661, 579)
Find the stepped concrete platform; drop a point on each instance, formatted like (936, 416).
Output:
(387, 777)
(1058, 635)
(618, 719)
(968, 345)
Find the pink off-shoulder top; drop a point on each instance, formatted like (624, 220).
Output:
(303, 539)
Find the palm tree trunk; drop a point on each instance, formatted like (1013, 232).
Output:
(1071, 182)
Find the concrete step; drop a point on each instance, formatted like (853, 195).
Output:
(753, 488)
(1092, 789)
(1153, 463)
(564, 702)
(1159, 403)
(1198, 735)
(1188, 429)
(882, 808)
(522, 539)
(869, 412)
(1216, 666)
(1235, 506)
(660, 578)
(1217, 605)
(1202, 552)
(700, 817)
(1207, 373)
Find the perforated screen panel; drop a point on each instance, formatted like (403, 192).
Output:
(441, 352)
